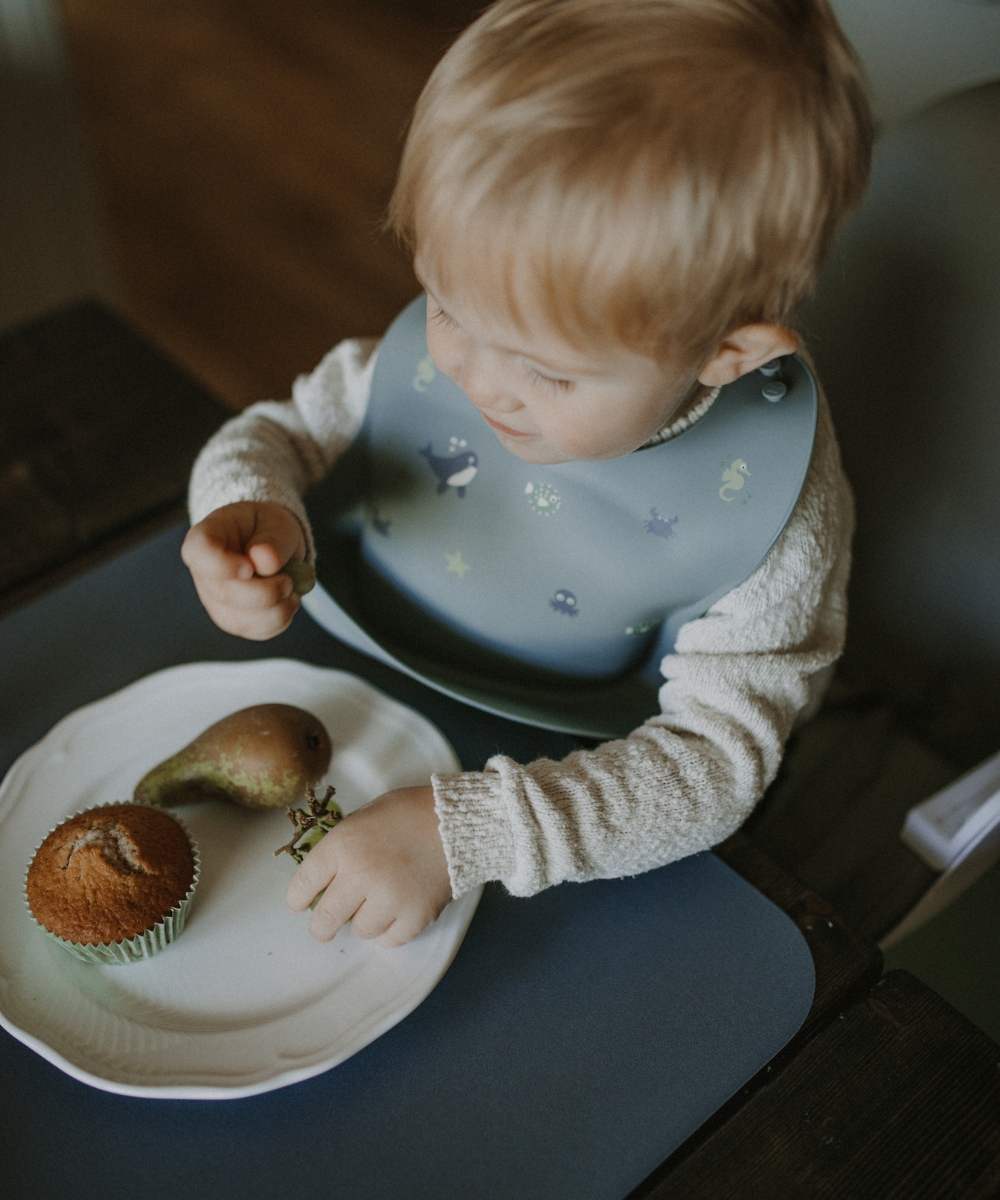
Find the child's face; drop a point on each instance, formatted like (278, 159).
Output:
(547, 400)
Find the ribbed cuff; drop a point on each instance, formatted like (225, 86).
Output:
(477, 840)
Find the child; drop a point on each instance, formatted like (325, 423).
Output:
(614, 210)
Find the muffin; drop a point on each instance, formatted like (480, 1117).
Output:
(113, 884)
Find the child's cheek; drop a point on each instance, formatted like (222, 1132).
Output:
(590, 444)
(443, 352)
(573, 433)
(572, 446)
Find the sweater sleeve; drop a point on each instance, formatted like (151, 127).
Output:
(275, 450)
(738, 679)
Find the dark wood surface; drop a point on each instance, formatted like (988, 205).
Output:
(847, 963)
(898, 1098)
(832, 818)
(98, 432)
(244, 153)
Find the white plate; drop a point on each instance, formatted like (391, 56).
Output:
(244, 1001)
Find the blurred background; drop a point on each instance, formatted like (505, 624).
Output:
(218, 169)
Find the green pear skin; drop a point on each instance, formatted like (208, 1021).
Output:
(260, 757)
(302, 575)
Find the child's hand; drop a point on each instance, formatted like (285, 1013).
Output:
(384, 866)
(235, 556)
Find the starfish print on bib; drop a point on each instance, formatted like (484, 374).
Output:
(457, 564)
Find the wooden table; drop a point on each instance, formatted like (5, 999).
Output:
(98, 431)
(885, 1091)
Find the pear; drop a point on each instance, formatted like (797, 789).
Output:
(302, 575)
(265, 756)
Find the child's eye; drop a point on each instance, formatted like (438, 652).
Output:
(442, 318)
(557, 385)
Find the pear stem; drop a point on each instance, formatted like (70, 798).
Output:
(320, 814)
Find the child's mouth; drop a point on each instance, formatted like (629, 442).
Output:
(504, 428)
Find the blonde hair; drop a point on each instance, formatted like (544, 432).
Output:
(656, 172)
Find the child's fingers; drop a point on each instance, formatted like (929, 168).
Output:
(371, 919)
(316, 872)
(259, 626)
(276, 538)
(337, 906)
(252, 595)
(239, 599)
(267, 560)
(261, 623)
(240, 539)
(257, 609)
(399, 932)
(209, 555)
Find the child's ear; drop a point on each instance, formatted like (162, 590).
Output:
(746, 349)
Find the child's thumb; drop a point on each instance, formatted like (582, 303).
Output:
(277, 539)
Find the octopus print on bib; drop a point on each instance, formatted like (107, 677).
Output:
(582, 570)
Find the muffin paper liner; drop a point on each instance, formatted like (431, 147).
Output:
(143, 945)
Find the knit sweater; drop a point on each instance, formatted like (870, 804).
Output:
(736, 682)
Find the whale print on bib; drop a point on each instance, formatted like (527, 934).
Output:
(457, 469)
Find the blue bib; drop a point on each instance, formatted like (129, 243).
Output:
(548, 593)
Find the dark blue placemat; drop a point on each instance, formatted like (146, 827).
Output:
(579, 1037)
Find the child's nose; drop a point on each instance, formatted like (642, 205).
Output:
(483, 382)
(496, 401)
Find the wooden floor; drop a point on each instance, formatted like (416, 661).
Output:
(244, 154)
